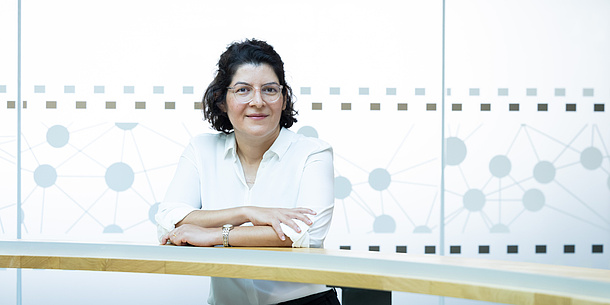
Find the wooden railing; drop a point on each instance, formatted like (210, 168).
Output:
(476, 279)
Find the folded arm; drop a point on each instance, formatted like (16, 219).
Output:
(244, 236)
(258, 216)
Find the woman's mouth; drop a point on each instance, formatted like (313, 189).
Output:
(257, 116)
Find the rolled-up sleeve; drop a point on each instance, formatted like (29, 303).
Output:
(183, 194)
(316, 192)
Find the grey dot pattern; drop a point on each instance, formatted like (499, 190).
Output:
(586, 92)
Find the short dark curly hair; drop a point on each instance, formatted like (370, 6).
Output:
(250, 51)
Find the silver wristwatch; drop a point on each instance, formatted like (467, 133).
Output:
(225, 234)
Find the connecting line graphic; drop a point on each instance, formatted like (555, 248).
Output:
(382, 181)
(544, 174)
(119, 177)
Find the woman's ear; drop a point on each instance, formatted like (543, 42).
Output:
(222, 107)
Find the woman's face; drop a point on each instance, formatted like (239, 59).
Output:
(256, 118)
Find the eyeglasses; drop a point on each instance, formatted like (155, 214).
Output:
(245, 93)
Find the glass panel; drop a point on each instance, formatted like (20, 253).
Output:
(526, 174)
(8, 121)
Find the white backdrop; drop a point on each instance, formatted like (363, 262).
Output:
(110, 89)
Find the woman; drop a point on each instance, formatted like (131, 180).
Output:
(254, 184)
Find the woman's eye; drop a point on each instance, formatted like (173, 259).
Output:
(270, 90)
(242, 90)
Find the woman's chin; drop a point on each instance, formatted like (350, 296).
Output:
(259, 131)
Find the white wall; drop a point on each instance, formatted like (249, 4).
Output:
(526, 178)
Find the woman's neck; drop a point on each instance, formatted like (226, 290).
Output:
(251, 149)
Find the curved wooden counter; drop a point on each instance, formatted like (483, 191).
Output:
(476, 279)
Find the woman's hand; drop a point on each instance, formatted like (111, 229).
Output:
(193, 235)
(274, 216)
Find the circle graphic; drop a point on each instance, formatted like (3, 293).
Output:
(474, 200)
(58, 136)
(45, 175)
(384, 224)
(343, 187)
(591, 158)
(380, 179)
(499, 228)
(456, 151)
(533, 200)
(113, 229)
(152, 212)
(544, 172)
(119, 177)
(308, 131)
(422, 229)
(500, 166)
(126, 126)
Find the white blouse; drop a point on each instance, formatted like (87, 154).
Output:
(296, 171)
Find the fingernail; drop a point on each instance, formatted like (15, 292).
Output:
(283, 238)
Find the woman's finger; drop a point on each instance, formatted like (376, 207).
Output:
(305, 211)
(304, 219)
(289, 222)
(276, 226)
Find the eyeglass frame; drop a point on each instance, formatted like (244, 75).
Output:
(259, 91)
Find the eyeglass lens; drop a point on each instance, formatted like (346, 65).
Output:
(245, 93)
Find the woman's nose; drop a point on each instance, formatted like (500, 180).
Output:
(257, 99)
